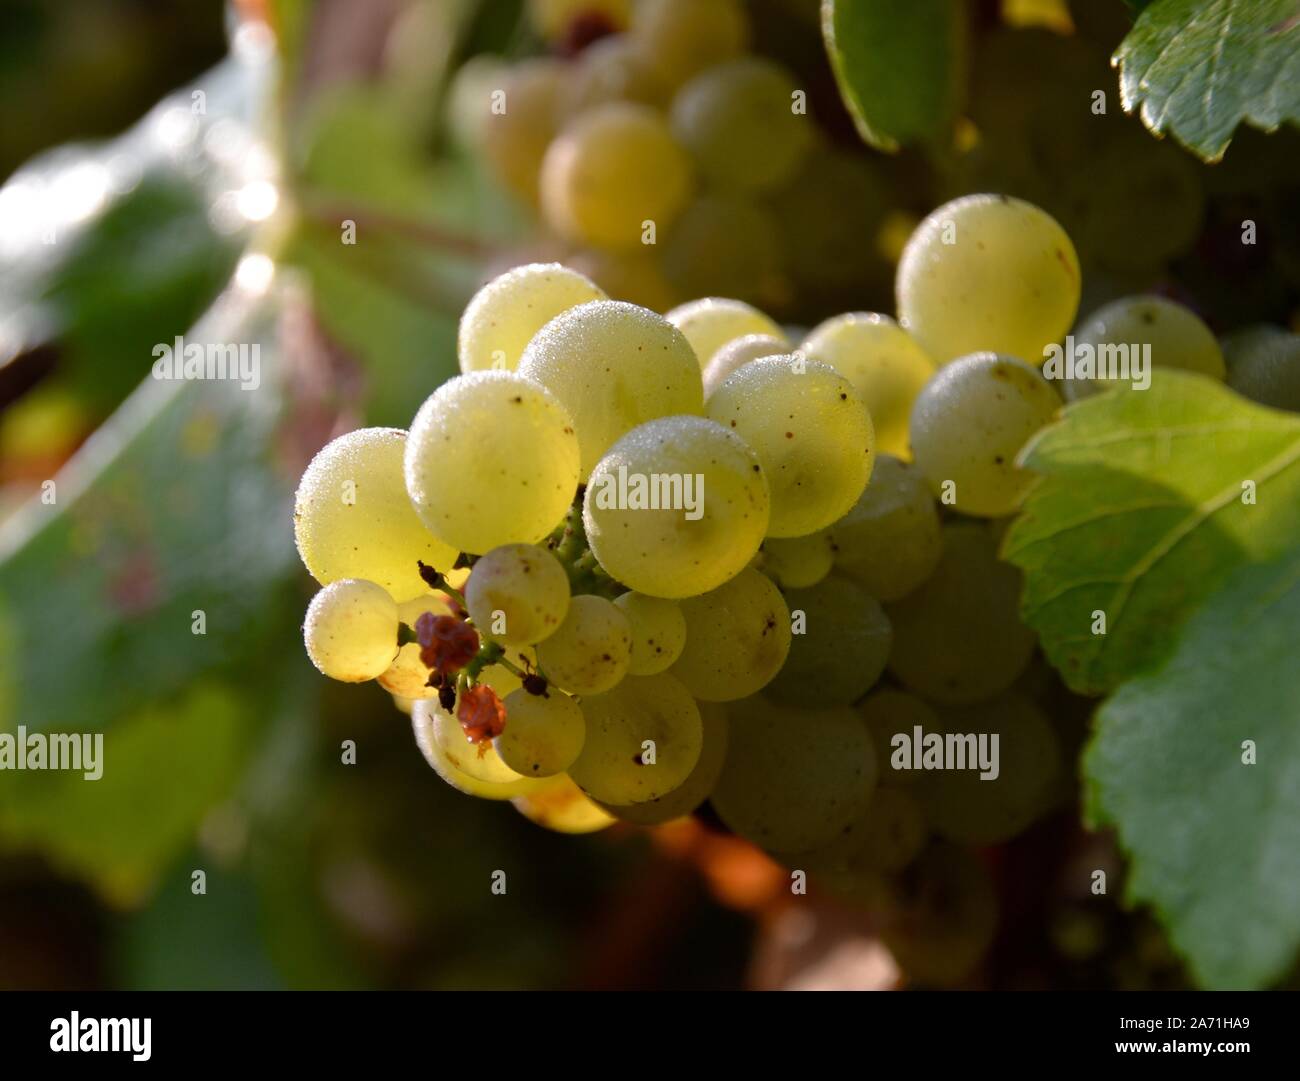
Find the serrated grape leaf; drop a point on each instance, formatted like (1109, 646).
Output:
(900, 66)
(1198, 68)
(1141, 513)
(1215, 842)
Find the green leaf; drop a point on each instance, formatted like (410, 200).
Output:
(1213, 840)
(1198, 68)
(163, 766)
(173, 507)
(900, 65)
(1140, 515)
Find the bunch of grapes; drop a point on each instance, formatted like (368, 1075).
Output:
(666, 160)
(627, 564)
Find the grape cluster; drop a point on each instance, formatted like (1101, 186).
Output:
(628, 563)
(667, 160)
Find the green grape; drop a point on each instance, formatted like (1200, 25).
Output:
(492, 459)
(553, 18)
(609, 172)
(658, 632)
(517, 594)
(1175, 335)
(423, 717)
(634, 276)
(811, 433)
(686, 36)
(958, 638)
(738, 120)
(971, 421)
(503, 316)
(643, 739)
(543, 735)
(480, 760)
(942, 915)
(351, 630)
(615, 68)
(839, 646)
(352, 517)
(592, 648)
(888, 712)
(886, 836)
(723, 245)
(963, 806)
(737, 638)
(521, 119)
(699, 783)
(712, 322)
(889, 542)
(614, 366)
(408, 676)
(736, 354)
(1264, 365)
(469, 98)
(798, 562)
(988, 272)
(828, 218)
(677, 552)
(793, 778)
(885, 365)
(562, 806)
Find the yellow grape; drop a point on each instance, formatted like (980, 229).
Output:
(423, 714)
(798, 562)
(712, 322)
(562, 806)
(517, 594)
(739, 352)
(351, 630)
(543, 734)
(687, 36)
(520, 122)
(658, 631)
(737, 638)
(590, 651)
(352, 517)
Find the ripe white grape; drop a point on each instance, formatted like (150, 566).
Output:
(798, 562)
(517, 594)
(615, 68)
(614, 366)
(469, 98)
(1175, 334)
(739, 352)
(609, 171)
(841, 650)
(352, 517)
(1264, 365)
(964, 806)
(423, 716)
(514, 139)
(958, 637)
(562, 806)
(502, 317)
(699, 783)
(889, 712)
(888, 834)
(408, 676)
(738, 120)
(663, 552)
(793, 778)
(590, 651)
(492, 459)
(971, 421)
(685, 36)
(988, 273)
(885, 365)
(889, 542)
(543, 735)
(658, 631)
(737, 638)
(351, 630)
(810, 432)
(712, 322)
(643, 739)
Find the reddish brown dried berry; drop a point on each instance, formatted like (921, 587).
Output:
(447, 644)
(481, 713)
